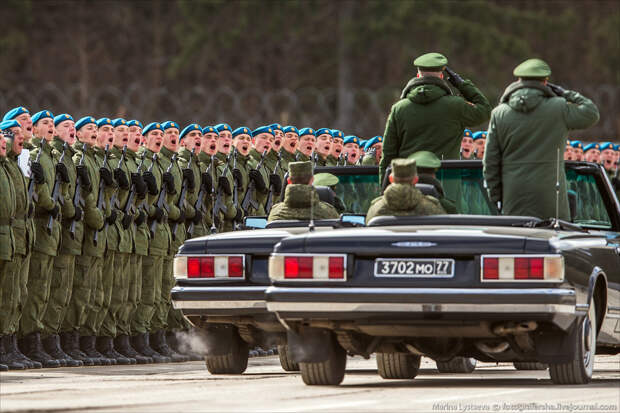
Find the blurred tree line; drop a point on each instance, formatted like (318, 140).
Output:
(268, 45)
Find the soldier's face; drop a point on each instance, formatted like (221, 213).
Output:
(66, 131)
(135, 138)
(209, 143)
(243, 143)
(121, 136)
(44, 129)
(2, 146)
(105, 136)
(192, 140)
(87, 134)
(307, 144)
(608, 159)
(224, 143)
(467, 145)
(26, 122)
(171, 139)
(593, 155)
(568, 153)
(337, 147)
(18, 139)
(479, 144)
(324, 144)
(353, 151)
(263, 141)
(578, 154)
(154, 140)
(290, 141)
(278, 139)
(379, 149)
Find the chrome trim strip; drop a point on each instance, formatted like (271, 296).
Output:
(218, 305)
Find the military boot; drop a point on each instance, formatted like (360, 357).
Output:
(87, 345)
(69, 349)
(4, 367)
(142, 346)
(12, 347)
(53, 349)
(105, 345)
(161, 346)
(123, 346)
(34, 351)
(6, 360)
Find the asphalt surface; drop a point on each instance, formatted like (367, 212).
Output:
(266, 387)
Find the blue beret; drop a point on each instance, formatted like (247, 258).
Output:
(307, 131)
(9, 123)
(61, 118)
(276, 126)
(480, 135)
(262, 129)
(84, 121)
(591, 146)
(337, 134)
(209, 129)
(242, 130)
(134, 123)
(119, 122)
(15, 112)
(324, 131)
(576, 144)
(169, 124)
(222, 127)
(152, 126)
(103, 121)
(372, 141)
(467, 133)
(42, 115)
(363, 142)
(616, 147)
(189, 128)
(607, 145)
(352, 139)
(288, 129)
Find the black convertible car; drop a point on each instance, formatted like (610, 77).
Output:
(496, 288)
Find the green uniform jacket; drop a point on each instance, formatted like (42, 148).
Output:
(370, 159)
(226, 218)
(174, 213)
(140, 235)
(120, 239)
(7, 211)
(300, 157)
(261, 196)
(521, 157)
(301, 202)
(287, 158)
(403, 199)
(204, 161)
(430, 118)
(331, 160)
(23, 225)
(191, 195)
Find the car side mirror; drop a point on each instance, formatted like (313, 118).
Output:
(356, 220)
(255, 222)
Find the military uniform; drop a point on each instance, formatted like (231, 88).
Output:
(205, 227)
(525, 133)
(427, 164)
(403, 198)
(370, 157)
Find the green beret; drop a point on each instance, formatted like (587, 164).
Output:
(532, 68)
(325, 179)
(404, 168)
(433, 60)
(425, 159)
(300, 169)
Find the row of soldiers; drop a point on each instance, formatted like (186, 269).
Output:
(91, 221)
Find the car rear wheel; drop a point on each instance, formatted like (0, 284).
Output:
(329, 371)
(457, 365)
(579, 371)
(286, 361)
(398, 365)
(233, 362)
(529, 365)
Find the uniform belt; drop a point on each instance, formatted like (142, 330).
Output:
(7, 221)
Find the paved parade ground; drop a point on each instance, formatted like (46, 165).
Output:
(265, 387)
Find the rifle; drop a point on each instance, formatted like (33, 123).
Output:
(461, 154)
(213, 211)
(31, 194)
(248, 200)
(269, 203)
(114, 199)
(346, 158)
(77, 196)
(56, 195)
(132, 191)
(161, 199)
(199, 205)
(219, 202)
(101, 197)
(235, 187)
(314, 158)
(181, 200)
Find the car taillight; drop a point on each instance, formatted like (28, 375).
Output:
(209, 266)
(523, 267)
(307, 267)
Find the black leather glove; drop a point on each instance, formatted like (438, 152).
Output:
(168, 180)
(112, 218)
(37, 173)
(106, 176)
(197, 218)
(82, 173)
(207, 182)
(188, 176)
(159, 214)
(126, 221)
(224, 185)
(79, 214)
(557, 89)
(140, 218)
(139, 184)
(121, 178)
(236, 173)
(454, 77)
(55, 212)
(151, 182)
(62, 173)
(276, 182)
(258, 180)
(239, 215)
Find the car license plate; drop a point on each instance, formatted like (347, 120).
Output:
(414, 267)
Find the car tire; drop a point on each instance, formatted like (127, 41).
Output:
(579, 371)
(286, 361)
(398, 365)
(329, 372)
(233, 362)
(529, 365)
(457, 365)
